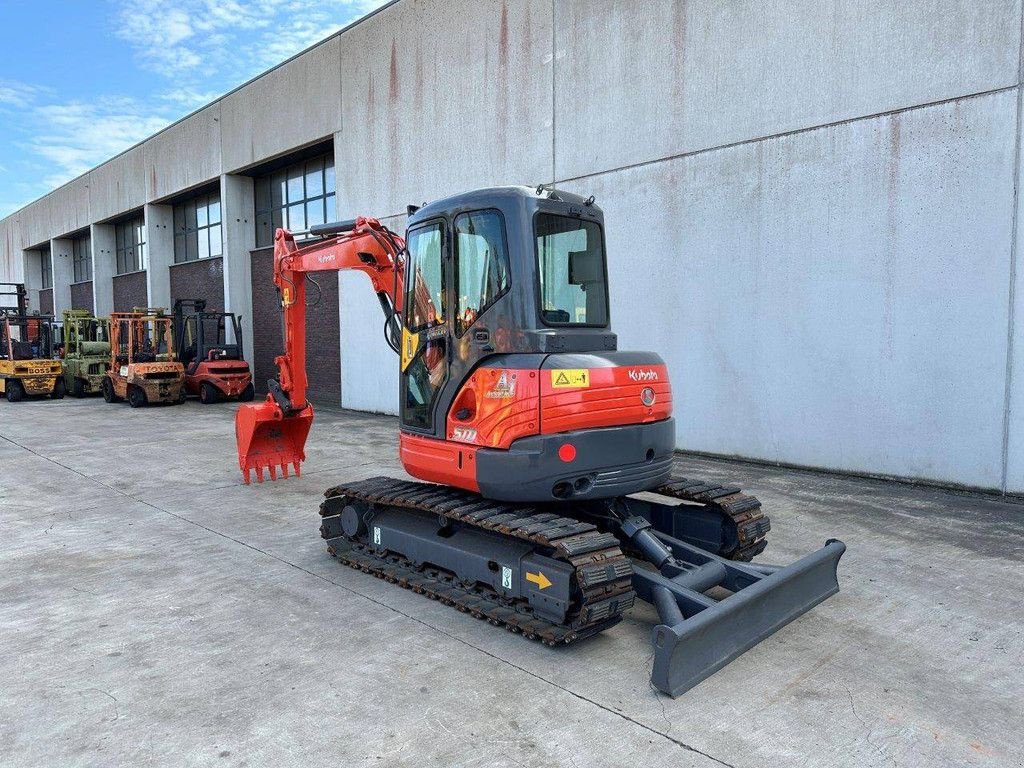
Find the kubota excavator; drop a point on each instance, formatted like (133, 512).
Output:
(534, 434)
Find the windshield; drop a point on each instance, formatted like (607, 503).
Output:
(26, 338)
(570, 260)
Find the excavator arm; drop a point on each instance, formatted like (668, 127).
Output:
(273, 433)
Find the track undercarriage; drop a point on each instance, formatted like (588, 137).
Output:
(565, 571)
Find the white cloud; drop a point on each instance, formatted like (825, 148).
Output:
(202, 48)
(188, 99)
(80, 135)
(234, 39)
(15, 94)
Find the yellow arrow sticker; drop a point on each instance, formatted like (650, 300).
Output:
(570, 377)
(538, 578)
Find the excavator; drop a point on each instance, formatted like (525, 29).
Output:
(546, 500)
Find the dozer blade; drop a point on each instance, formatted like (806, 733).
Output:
(712, 634)
(267, 439)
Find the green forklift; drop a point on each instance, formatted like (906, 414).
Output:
(86, 352)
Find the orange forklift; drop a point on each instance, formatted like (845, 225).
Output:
(143, 366)
(210, 348)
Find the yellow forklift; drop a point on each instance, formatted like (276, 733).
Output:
(27, 366)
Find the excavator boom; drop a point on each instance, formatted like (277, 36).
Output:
(272, 435)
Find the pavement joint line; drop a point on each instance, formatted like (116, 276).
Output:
(439, 630)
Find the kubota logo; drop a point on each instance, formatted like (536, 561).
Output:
(647, 375)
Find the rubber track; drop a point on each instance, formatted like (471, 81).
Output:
(745, 512)
(603, 574)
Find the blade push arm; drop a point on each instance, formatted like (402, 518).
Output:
(363, 244)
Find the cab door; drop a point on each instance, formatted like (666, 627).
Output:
(426, 335)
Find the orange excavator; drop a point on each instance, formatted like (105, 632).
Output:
(531, 436)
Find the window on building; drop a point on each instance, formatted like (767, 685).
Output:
(81, 258)
(197, 229)
(46, 267)
(296, 198)
(130, 245)
(481, 265)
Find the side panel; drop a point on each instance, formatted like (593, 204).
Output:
(496, 406)
(439, 461)
(590, 391)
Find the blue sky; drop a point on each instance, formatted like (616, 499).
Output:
(82, 80)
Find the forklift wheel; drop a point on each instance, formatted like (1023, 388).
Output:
(182, 396)
(136, 397)
(108, 391)
(59, 390)
(77, 388)
(248, 393)
(14, 391)
(208, 394)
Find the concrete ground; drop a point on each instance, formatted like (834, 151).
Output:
(156, 611)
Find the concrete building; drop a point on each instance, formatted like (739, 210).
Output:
(811, 206)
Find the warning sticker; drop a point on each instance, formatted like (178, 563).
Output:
(570, 378)
(504, 388)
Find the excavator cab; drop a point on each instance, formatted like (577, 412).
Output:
(511, 381)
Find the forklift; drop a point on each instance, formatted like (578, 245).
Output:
(85, 352)
(214, 366)
(27, 366)
(143, 368)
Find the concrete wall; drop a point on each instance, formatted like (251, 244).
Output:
(291, 106)
(797, 335)
(815, 199)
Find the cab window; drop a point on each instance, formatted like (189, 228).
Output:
(425, 334)
(425, 301)
(481, 264)
(570, 263)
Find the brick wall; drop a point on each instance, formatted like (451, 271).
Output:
(46, 301)
(81, 295)
(203, 279)
(130, 291)
(323, 335)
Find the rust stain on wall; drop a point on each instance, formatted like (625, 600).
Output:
(504, 87)
(679, 29)
(893, 215)
(393, 92)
